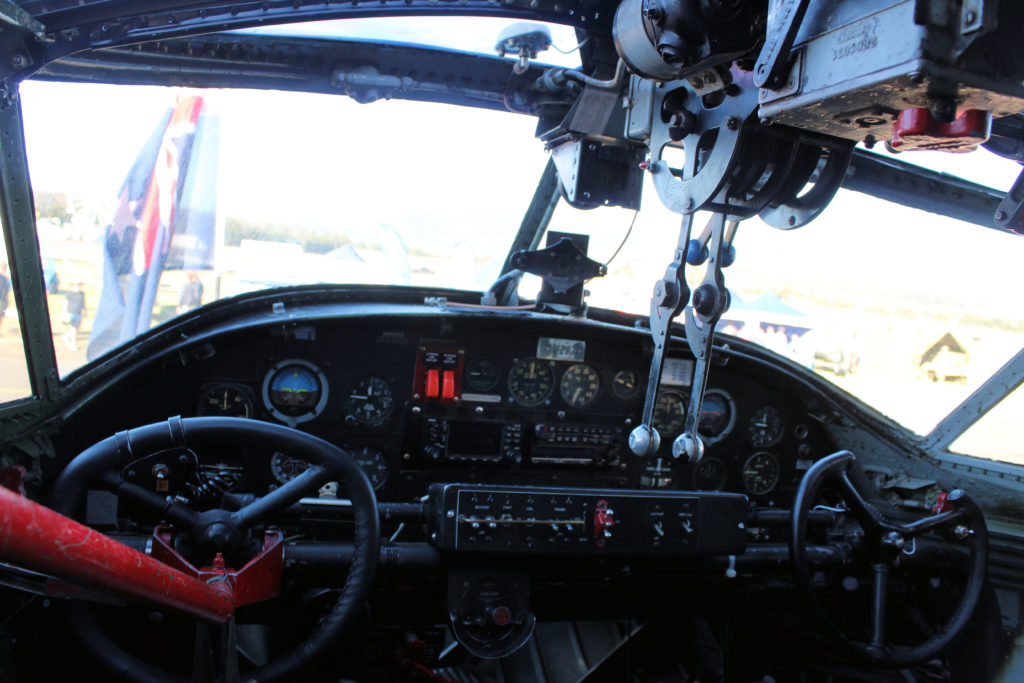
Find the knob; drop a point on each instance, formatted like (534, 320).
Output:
(644, 440)
(688, 445)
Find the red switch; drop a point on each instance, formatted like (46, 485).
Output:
(432, 388)
(448, 385)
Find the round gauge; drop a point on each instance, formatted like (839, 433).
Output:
(285, 468)
(669, 413)
(295, 391)
(766, 427)
(625, 384)
(530, 382)
(580, 385)
(370, 400)
(760, 473)
(717, 415)
(709, 475)
(226, 400)
(373, 462)
(482, 374)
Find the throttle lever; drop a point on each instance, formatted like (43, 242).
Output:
(710, 300)
(670, 296)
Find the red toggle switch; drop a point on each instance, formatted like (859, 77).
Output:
(432, 388)
(916, 128)
(942, 503)
(448, 385)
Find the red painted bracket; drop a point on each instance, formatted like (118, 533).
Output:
(259, 579)
(916, 128)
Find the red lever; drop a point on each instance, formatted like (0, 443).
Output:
(942, 503)
(916, 128)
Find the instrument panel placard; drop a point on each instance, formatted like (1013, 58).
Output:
(550, 348)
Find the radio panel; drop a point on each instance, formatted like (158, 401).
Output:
(481, 518)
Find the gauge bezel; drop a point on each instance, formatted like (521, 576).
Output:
(589, 398)
(317, 410)
(704, 462)
(381, 454)
(468, 379)
(383, 417)
(276, 458)
(246, 392)
(781, 433)
(775, 481)
(518, 363)
(732, 416)
(631, 393)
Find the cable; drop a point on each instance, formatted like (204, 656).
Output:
(570, 51)
(626, 237)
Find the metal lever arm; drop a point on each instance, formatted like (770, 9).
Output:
(783, 24)
(670, 296)
(710, 300)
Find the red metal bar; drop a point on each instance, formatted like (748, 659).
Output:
(37, 538)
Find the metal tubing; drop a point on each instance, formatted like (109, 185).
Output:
(37, 538)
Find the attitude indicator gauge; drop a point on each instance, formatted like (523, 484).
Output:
(295, 391)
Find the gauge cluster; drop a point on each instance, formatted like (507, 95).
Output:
(504, 405)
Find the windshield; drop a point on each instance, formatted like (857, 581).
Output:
(278, 189)
(275, 188)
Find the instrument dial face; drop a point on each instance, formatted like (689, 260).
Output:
(285, 468)
(370, 400)
(295, 391)
(760, 473)
(669, 413)
(717, 416)
(373, 462)
(530, 382)
(710, 475)
(766, 427)
(482, 374)
(225, 400)
(625, 384)
(580, 385)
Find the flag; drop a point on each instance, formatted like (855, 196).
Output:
(165, 218)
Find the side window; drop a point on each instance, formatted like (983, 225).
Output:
(14, 381)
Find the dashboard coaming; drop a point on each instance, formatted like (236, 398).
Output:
(559, 444)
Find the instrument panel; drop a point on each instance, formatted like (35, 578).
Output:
(482, 401)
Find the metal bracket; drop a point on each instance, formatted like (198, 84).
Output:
(16, 17)
(784, 20)
(562, 266)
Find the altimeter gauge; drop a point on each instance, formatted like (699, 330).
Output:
(370, 400)
(766, 427)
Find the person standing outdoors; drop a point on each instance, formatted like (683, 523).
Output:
(191, 293)
(75, 304)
